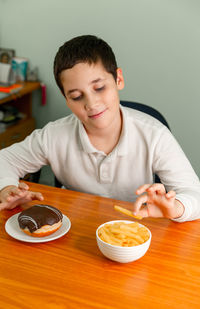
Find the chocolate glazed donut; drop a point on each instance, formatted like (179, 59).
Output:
(40, 220)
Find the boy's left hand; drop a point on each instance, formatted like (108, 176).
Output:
(155, 202)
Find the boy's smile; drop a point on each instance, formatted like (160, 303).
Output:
(92, 95)
(94, 116)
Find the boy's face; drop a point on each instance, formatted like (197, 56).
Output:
(92, 95)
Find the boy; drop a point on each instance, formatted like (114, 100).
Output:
(103, 148)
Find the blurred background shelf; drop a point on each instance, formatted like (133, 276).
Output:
(22, 100)
(17, 132)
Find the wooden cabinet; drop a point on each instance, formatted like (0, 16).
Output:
(23, 102)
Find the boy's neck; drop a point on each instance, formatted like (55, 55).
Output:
(106, 139)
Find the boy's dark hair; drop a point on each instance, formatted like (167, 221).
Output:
(85, 48)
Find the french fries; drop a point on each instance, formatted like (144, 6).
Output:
(126, 212)
(123, 234)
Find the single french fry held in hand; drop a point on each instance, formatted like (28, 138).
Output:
(123, 234)
(126, 212)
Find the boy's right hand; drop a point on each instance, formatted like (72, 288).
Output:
(12, 196)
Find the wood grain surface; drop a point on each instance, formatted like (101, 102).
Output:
(71, 272)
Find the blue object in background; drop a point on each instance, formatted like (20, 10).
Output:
(19, 68)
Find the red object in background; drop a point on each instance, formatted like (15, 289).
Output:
(11, 89)
(43, 87)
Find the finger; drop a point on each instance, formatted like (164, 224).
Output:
(8, 205)
(13, 197)
(143, 212)
(138, 203)
(170, 194)
(157, 187)
(142, 189)
(23, 185)
(3, 206)
(16, 191)
(7, 196)
(37, 196)
(15, 194)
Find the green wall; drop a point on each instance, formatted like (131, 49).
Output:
(156, 42)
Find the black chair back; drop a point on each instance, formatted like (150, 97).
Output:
(146, 109)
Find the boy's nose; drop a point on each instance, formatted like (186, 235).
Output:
(90, 103)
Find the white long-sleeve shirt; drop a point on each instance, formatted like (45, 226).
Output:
(146, 147)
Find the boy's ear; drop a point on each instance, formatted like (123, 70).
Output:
(120, 79)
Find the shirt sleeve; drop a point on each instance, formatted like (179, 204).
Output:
(21, 158)
(176, 173)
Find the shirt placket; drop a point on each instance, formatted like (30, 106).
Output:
(105, 171)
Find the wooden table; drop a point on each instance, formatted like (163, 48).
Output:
(71, 272)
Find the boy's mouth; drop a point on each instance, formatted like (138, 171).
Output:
(94, 116)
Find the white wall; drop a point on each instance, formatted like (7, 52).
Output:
(156, 42)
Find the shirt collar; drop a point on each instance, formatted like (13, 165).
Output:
(85, 142)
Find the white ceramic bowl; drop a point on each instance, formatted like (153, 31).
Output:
(122, 254)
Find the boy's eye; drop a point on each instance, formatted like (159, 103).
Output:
(100, 88)
(80, 96)
(77, 98)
